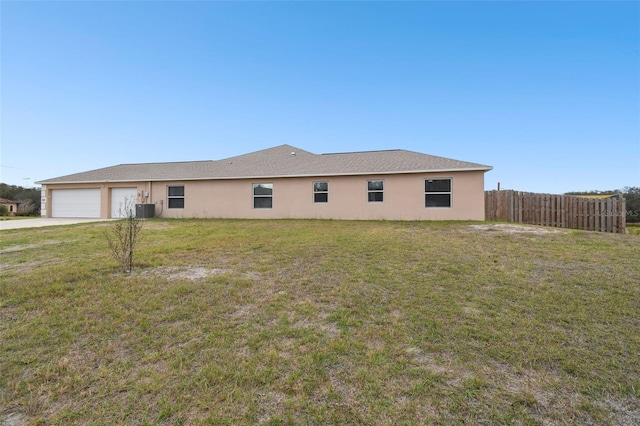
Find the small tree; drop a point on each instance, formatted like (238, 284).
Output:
(123, 236)
(4, 211)
(26, 207)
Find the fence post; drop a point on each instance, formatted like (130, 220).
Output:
(622, 211)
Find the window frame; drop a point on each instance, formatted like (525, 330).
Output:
(449, 193)
(254, 196)
(375, 191)
(175, 197)
(319, 192)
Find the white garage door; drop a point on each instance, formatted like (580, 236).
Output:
(75, 203)
(122, 200)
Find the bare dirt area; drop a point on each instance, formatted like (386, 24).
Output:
(516, 229)
(182, 272)
(16, 248)
(626, 412)
(190, 273)
(13, 419)
(42, 222)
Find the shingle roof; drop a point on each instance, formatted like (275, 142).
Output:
(280, 161)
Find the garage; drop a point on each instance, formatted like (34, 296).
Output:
(122, 200)
(75, 203)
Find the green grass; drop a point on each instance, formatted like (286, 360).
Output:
(320, 322)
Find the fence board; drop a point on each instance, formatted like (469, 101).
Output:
(565, 211)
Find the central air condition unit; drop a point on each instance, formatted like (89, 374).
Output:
(145, 211)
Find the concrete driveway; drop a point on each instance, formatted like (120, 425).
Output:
(40, 222)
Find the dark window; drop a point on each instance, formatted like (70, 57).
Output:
(320, 192)
(437, 193)
(375, 191)
(262, 195)
(175, 197)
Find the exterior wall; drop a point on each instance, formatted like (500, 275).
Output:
(404, 198)
(293, 198)
(105, 194)
(12, 208)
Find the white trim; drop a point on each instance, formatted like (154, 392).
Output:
(314, 192)
(176, 197)
(450, 193)
(254, 196)
(375, 191)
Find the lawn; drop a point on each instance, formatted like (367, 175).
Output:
(320, 322)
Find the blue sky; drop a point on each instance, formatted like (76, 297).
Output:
(548, 93)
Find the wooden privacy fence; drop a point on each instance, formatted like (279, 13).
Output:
(564, 211)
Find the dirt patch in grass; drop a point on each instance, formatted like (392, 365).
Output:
(22, 247)
(23, 267)
(272, 404)
(194, 273)
(625, 412)
(516, 229)
(438, 363)
(155, 225)
(13, 419)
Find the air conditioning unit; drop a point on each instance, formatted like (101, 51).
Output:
(145, 211)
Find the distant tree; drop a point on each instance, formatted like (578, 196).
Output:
(26, 207)
(632, 195)
(594, 192)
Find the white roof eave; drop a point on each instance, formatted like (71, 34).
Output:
(168, 179)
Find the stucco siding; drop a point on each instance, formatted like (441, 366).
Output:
(403, 199)
(347, 198)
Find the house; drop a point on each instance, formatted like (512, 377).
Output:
(12, 206)
(279, 182)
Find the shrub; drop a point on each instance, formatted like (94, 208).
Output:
(122, 238)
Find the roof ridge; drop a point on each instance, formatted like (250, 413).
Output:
(161, 162)
(364, 152)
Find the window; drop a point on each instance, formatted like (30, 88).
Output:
(375, 190)
(262, 195)
(321, 192)
(437, 193)
(175, 197)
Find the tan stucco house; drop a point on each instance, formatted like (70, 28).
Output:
(12, 206)
(280, 182)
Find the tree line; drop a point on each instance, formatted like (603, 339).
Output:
(28, 199)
